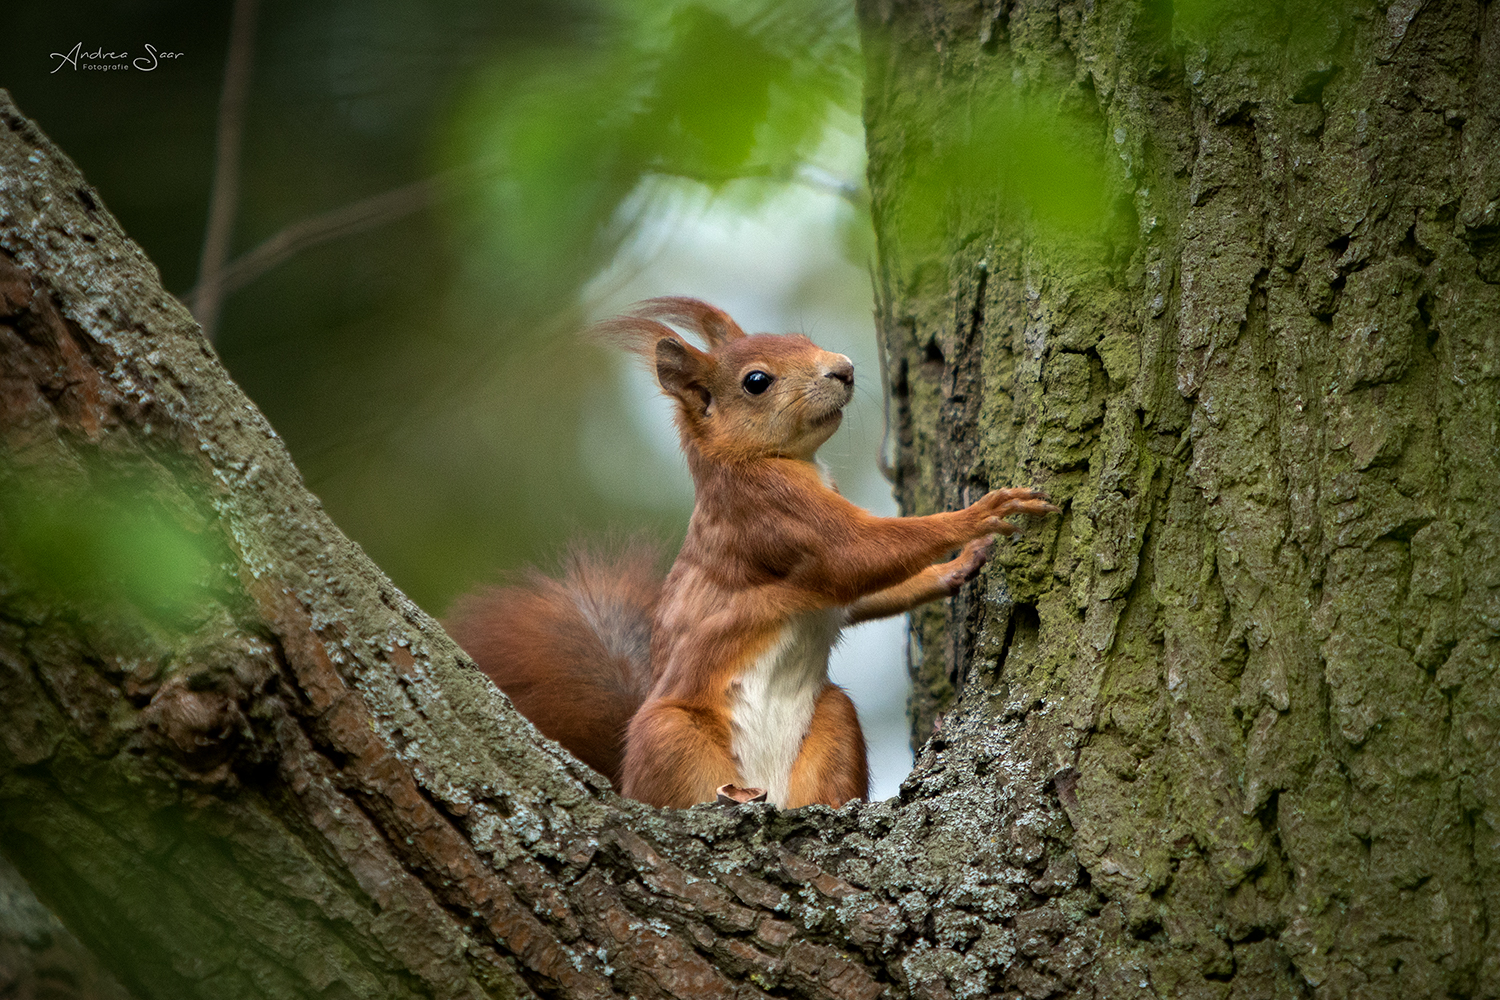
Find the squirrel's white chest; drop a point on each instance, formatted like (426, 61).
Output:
(772, 702)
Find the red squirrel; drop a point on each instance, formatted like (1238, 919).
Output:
(718, 675)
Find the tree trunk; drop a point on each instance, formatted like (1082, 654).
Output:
(1256, 656)
(1222, 729)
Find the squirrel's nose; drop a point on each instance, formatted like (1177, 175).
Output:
(840, 368)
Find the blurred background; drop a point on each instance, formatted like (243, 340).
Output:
(431, 198)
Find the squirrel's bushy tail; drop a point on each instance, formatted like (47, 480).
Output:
(574, 654)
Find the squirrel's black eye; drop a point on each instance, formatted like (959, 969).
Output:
(757, 382)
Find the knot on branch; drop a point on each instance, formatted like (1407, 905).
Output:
(200, 729)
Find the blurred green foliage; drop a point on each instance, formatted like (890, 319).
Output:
(1015, 153)
(1301, 38)
(711, 92)
(103, 538)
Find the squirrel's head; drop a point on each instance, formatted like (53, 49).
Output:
(746, 396)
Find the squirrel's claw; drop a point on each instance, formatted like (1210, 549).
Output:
(1019, 500)
(967, 564)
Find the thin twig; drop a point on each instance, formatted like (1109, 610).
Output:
(377, 210)
(882, 290)
(368, 213)
(822, 180)
(226, 188)
(806, 174)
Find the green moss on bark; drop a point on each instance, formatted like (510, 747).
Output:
(1265, 393)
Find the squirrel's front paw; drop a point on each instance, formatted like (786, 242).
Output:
(998, 504)
(967, 564)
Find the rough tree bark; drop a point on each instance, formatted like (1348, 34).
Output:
(1225, 729)
(1256, 658)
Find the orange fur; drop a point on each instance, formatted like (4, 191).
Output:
(735, 629)
(572, 655)
(934, 582)
(832, 768)
(689, 755)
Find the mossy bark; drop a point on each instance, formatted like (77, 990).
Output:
(1256, 656)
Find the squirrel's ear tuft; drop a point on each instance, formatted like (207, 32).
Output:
(635, 334)
(682, 371)
(708, 322)
(641, 329)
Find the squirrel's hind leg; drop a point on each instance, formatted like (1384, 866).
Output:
(677, 755)
(831, 767)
